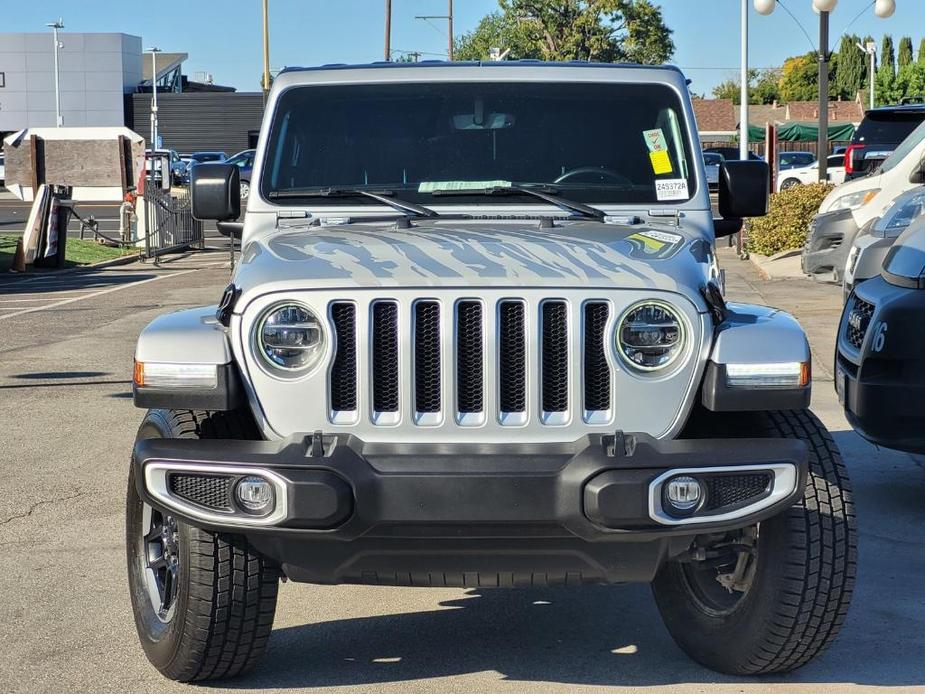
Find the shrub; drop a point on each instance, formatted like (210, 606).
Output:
(787, 221)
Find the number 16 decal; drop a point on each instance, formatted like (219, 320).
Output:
(879, 340)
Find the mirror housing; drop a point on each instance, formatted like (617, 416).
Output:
(215, 190)
(743, 189)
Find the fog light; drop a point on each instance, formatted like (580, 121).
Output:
(255, 495)
(683, 493)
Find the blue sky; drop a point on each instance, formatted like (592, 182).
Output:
(223, 36)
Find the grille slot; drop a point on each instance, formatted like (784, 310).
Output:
(555, 356)
(855, 334)
(344, 370)
(596, 368)
(733, 490)
(385, 356)
(512, 358)
(470, 376)
(427, 357)
(209, 491)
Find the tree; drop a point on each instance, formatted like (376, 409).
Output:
(905, 52)
(922, 52)
(762, 87)
(887, 58)
(596, 30)
(799, 78)
(851, 72)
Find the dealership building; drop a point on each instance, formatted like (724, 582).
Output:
(105, 80)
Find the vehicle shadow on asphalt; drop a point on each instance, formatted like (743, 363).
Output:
(590, 636)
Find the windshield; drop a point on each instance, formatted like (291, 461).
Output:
(906, 146)
(615, 143)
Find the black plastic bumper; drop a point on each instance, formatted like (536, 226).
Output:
(882, 385)
(451, 515)
(827, 245)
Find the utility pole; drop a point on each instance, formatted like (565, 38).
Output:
(743, 86)
(822, 142)
(59, 121)
(388, 30)
(449, 17)
(266, 50)
(154, 144)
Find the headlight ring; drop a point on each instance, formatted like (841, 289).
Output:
(651, 336)
(290, 338)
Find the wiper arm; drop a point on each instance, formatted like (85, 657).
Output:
(550, 195)
(386, 197)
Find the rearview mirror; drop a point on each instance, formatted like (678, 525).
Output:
(216, 192)
(743, 189)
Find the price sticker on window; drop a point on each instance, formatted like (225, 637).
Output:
(661, 162)
(671, 189)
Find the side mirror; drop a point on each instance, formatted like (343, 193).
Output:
(743, 189)
(216, 192)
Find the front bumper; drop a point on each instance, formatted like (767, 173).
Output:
(435, 514)
(827, 244)
(880, 377)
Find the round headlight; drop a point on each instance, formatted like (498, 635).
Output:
(650, 336)
(291, 337)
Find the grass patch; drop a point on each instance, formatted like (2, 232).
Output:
(77, 252)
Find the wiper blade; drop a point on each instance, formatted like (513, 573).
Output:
(550, 195)
(386, 197)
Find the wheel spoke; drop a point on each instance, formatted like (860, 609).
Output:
(158, 563)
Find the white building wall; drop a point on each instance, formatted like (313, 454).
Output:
(96, 70)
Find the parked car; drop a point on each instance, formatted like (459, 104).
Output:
(711, 162)
(874, 240)
(419, 378)
(835, 169)
(794, 160)
(159, 158)
(732, 153)
(852, 205)
(880, 361)
(2, 166)
(245, 163)
(200, 158)
(879, 133)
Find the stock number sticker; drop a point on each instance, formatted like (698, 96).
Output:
(671, 189)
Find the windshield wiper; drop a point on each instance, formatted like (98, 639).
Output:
(550, 195)
(386, 197)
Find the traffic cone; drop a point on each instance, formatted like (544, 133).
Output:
(19, 258)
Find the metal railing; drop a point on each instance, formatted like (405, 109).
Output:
(169, 223)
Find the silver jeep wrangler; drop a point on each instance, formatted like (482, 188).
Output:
(477, 337)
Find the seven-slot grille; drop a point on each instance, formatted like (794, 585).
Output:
(439, 346)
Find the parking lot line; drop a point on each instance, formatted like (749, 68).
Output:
(101, 292)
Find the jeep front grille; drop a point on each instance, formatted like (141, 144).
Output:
(473, 363)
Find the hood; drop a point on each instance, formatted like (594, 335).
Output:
(461, 254)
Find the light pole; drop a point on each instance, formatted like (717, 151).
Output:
(154, 51)
(882, 8)
(870, 48)
(743, 86)
(59, 121)
(266, 50)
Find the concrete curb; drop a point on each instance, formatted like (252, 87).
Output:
(112, 262)
(784, 265)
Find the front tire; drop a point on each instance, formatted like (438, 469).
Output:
(789, 183)
(797, 574)
(203, 602)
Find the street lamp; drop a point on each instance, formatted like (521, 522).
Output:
(154, 51)
(54, 26)
(870, 48)
(882, 8)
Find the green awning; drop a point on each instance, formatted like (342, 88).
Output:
(802, 132)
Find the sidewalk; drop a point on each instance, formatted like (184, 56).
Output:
(817, 306)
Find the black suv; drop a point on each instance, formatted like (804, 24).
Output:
(878, 135)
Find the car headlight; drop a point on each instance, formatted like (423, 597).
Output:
(290, 337)
(853, 201)
(901, 214)
(650, 336)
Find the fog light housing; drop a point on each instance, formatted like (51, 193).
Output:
(683, 494)
(255, 495)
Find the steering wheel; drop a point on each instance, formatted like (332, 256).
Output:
(596, 170)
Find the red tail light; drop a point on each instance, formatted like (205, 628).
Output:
(849, 157)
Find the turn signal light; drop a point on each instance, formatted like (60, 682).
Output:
(771, 375)
(155, 375)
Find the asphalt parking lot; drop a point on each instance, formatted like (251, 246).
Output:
(66, 430)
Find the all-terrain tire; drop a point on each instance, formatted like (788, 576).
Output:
(226, 593)
(805, 571)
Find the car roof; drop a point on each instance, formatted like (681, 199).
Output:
(897, 108)
(524, 62)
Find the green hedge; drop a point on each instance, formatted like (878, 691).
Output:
(785, 226)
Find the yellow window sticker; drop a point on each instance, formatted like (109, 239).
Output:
(661, 162)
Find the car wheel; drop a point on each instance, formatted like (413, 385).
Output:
(789, 183)
(771, 597)
(203, 602)
(245, 190)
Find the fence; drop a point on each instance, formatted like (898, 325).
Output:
(782, 146)
(169, 223)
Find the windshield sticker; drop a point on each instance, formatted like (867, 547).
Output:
(431, 186)
(661, 162)
(654, 244)
(655, 140)
(671, 189)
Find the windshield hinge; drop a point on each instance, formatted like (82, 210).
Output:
(675, 214)
(285, 218)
